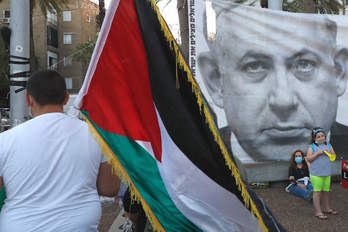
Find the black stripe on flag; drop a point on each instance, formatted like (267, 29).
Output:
(177, 105)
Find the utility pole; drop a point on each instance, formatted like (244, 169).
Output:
(19, 59)
(275, 4)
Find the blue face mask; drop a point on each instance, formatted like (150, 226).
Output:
(298, 160)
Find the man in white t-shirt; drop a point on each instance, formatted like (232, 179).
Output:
(51, 167)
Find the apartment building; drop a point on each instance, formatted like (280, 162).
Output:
(77, 24)
(56, 37)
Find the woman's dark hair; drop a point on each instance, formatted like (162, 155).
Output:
(292, 159)
(315, 131)
(47, 88)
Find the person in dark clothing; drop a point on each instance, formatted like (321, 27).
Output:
(300, 184)
(136, 218)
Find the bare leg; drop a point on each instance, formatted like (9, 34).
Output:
(316, 202)
(326, 201)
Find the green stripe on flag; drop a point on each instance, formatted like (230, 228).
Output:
(143, 171)
(2, 197)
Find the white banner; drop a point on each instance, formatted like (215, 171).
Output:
(270, 77)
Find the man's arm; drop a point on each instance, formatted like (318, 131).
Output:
(108, 184)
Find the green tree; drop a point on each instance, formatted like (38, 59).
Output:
(4, 67)
(313, 6)
(49, 5)
(101, 15)
(4, 74)
(83, 53)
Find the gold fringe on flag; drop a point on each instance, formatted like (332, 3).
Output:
(180, 62)
(122, 173)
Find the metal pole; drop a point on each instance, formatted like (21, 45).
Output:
(19, 59)
(275, 4)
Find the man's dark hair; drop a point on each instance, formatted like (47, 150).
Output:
(47, 88)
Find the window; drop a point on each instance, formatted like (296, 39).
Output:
(52, 37)
(52, 63)
(68, 82)
(52, 59)
(52, 17)
(67, 38)
(6, 14)
(67, 61)
(89, 19)
(67, 16)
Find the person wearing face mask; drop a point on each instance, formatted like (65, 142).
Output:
(300, 184)
(320, 172)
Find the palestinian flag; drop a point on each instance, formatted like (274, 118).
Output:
(147, 112)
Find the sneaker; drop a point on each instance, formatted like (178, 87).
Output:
(127, 226)
(287, 189)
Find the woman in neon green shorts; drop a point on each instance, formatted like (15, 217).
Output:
(320, 172)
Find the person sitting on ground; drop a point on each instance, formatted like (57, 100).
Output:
(320, 172)
(300, 184)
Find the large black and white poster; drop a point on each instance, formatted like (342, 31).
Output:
(271, 76)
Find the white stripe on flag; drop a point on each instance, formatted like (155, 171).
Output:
(205, 203)
(147, 146)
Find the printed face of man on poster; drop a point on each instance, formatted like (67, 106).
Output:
(276, 75)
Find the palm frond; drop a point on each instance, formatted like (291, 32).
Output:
(51, 5)
(313, 6)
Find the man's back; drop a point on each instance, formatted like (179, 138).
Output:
(49, 167)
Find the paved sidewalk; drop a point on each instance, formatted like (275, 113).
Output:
(297, 215)
(120, 219)
(110, 210)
